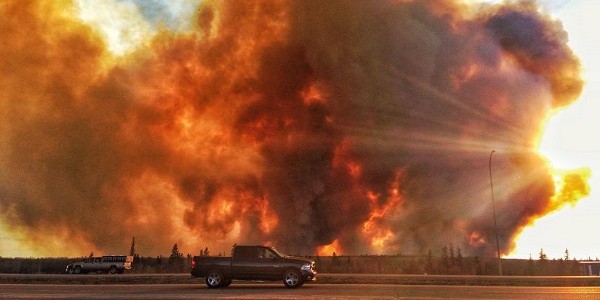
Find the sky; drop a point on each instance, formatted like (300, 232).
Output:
(355, 127)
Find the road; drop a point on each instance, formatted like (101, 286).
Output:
(277, 291)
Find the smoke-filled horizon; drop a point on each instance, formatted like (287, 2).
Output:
(357, 126)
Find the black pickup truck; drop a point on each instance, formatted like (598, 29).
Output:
(254, 263)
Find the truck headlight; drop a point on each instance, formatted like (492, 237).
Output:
(305, 267)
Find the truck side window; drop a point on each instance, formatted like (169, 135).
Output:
(245, 253)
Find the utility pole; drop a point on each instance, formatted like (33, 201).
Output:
(495, 220)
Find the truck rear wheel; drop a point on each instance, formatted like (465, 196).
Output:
(226, 283)
(214, 279)
(77, 270)
(292, 278)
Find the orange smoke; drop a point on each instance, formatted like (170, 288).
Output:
(351, 126)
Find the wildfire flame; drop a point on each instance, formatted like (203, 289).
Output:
(328, 250)
(375, 229)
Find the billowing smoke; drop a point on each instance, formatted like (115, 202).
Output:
(367, 125)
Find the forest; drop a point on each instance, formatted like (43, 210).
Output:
(448, 261)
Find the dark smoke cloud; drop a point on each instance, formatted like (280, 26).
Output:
(214, 137)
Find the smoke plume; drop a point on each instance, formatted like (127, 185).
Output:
(367, 125)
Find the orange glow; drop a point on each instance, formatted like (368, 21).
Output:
(354, 169)
(342, 160)
(314, 93)
(380, 241)
(220, 210)
(328, 250)
(465, 74)
(372, 196)
(571, 186)
(269, 219)
(476, 239)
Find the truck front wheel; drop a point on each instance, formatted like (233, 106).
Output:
(292, 278)
(214, 279)
(113, 270)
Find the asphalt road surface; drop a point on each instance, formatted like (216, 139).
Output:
(277, 291)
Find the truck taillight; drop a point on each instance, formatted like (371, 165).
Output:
(193, 263)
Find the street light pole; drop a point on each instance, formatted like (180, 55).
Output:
(495, 221)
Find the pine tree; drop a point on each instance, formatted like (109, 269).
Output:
(566, 254)
(158, 264)
(206, 252)
(334, 259)
(91, 254)
(445, 260)
(478, 269)
(132, 249)
(543, 255)
(429, 265)
(459, 259)
(530, 267)
(175, 254)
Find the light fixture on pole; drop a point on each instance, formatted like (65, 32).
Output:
(495, 221)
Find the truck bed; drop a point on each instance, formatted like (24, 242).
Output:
(205, 263)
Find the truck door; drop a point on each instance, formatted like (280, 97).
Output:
(96, 264)
(268, 264)
(243, 262)
(87, 264)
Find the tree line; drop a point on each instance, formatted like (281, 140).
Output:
(449, 260)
